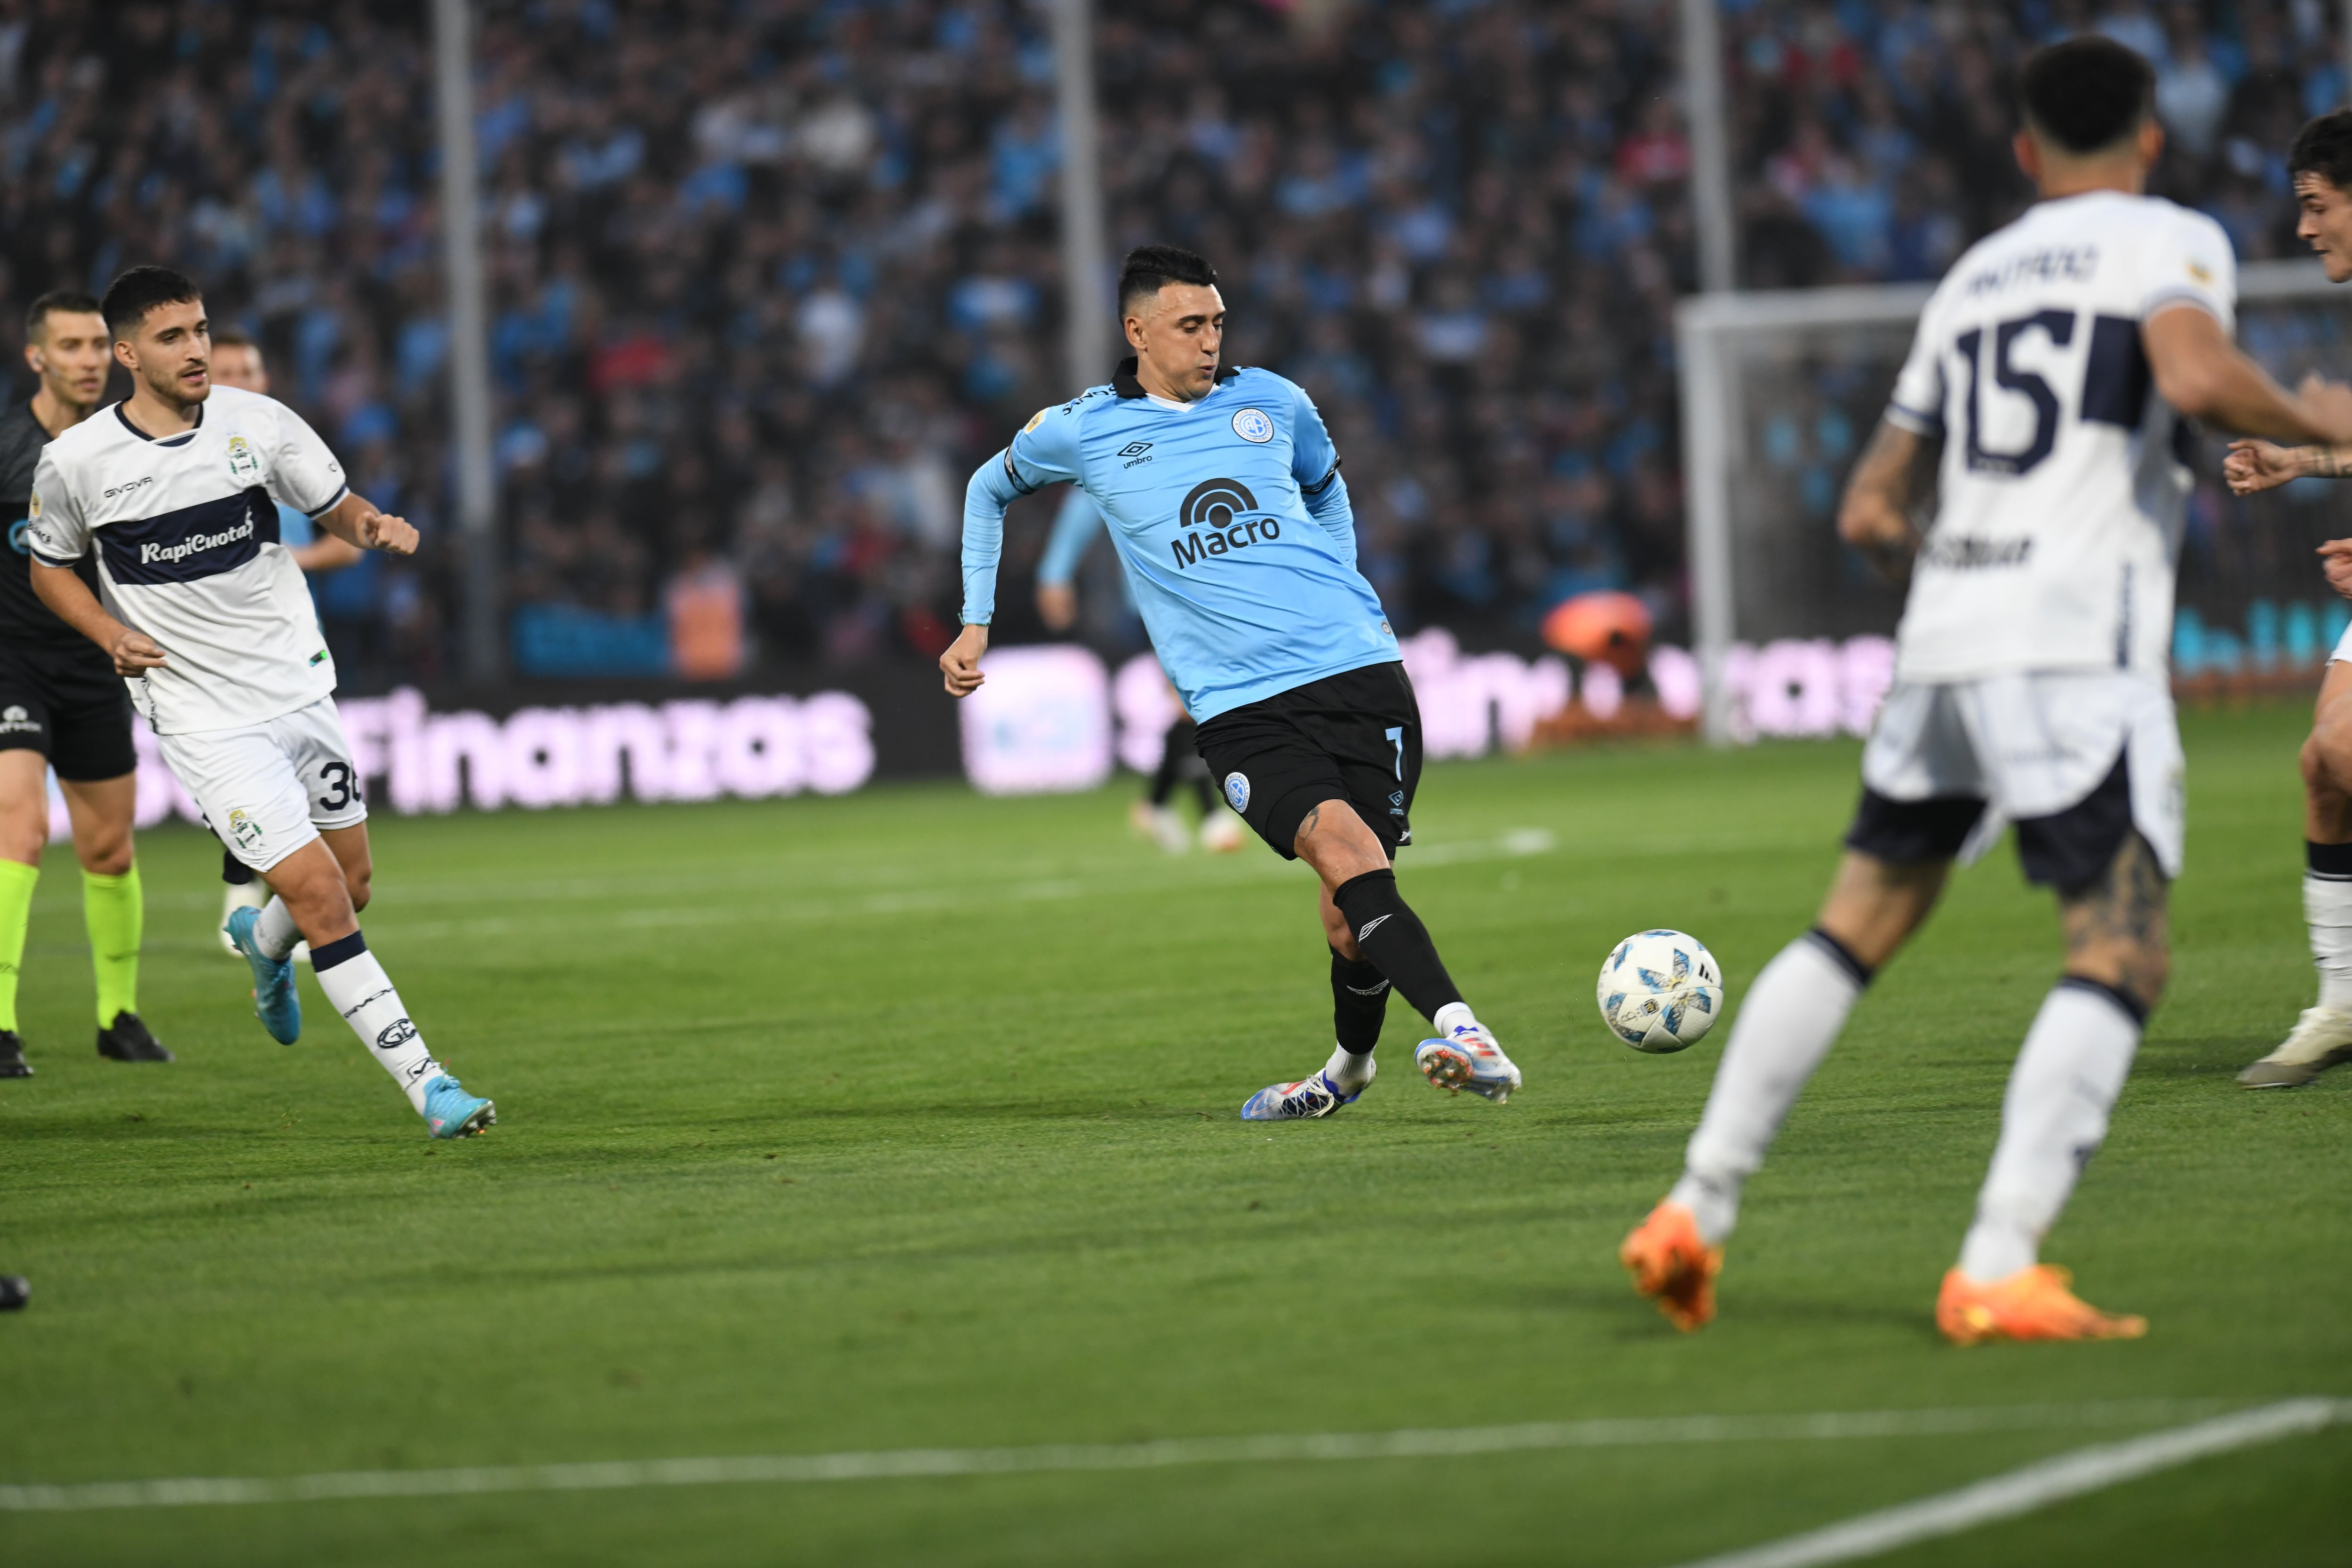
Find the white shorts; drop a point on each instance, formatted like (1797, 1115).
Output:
(2076, 758)
(2343, 647)
(268, 789)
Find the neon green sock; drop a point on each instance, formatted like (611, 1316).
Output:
(17, 881)
(115, 910)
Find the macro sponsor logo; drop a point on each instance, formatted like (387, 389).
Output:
(1213, 517)
(126, 489)
(195, 545)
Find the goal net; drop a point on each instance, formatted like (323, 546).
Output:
(1781, 391)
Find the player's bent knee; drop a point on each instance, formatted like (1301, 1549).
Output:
(109, 857)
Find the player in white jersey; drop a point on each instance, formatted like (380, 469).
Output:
(206, 618)
(2052, 367)
(2321, 167)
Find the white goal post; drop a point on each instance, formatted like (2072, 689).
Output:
(1779, 391)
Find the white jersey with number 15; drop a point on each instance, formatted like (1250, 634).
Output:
(2062, 482)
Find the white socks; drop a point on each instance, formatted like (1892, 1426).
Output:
(2327, 906)
(1791, 1018)
(360, 991)
(1348, 1073)
(1451, 1014)
(275, 932)
(2052, 1121)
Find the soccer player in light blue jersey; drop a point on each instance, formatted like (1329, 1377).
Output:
(1223, 498)
(1076, 528)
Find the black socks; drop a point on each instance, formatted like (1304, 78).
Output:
(1394, 941)
(1360, 1001)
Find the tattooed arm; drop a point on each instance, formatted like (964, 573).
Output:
(2256, 466)
(1896, 472)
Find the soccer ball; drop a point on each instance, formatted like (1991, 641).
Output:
(1659, 990)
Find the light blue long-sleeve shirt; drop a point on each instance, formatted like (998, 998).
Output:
(1230, 517)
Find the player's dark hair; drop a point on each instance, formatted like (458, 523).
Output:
(229, 336)
(72, 300)
(130, 297)
(2324, 147)
(1148, 269)
(2087, 93)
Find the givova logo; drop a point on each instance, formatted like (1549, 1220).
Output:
(1213, 517)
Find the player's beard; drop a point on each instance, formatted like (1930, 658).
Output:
(173, 390)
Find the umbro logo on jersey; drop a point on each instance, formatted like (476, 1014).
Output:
(1135, 448)
(1213, 518)
(1370, 926)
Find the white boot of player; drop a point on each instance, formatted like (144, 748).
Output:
(2322, 1038)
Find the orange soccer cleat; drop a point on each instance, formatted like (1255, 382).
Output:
(2031, 1304)
(1674, 1265)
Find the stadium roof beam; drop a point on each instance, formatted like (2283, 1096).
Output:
(469, 349)
(1087, 304)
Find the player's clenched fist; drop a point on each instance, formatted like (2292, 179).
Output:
(2255, 465)
(135, 653)
(960, 663)
(393, 535)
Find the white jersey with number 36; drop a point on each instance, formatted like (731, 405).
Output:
(2062, 484)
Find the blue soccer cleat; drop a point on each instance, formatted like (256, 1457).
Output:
(1468, 1058)
(1310, 1096)
(451, 1113)
(275, 1001)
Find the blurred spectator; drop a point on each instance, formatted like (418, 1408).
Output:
(770, 276)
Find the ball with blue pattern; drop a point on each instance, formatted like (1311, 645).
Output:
(1659, 990)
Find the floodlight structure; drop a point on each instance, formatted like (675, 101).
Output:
(1780, 389)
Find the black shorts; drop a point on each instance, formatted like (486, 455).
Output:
(1355, 736)
(68, 704)
(2069, 850)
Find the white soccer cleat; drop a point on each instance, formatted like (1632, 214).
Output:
(1221, 833)
(1310, 1096)
(1468, 1058)
(2321, 1038)
(1161, 824)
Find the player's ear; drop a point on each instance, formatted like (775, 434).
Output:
(125, 355)
(2151, 142)
(1134, 329)
(32, 358)
(2029, 154)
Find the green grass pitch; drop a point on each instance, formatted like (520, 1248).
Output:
(908, 1120)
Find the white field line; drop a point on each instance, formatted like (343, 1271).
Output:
(903, 1463)
(2038, 1485)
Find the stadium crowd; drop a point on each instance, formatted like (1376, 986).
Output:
(770, 276)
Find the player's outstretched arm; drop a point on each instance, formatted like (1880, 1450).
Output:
(1892, 477)
(71, 600)
(355, 521)
(2206, 377)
